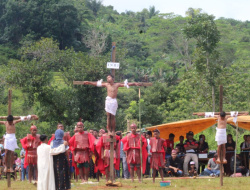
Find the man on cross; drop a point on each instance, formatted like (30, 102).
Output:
(221, 134)
(10, 142)
(111, 104)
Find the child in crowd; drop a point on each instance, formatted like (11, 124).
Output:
(17, 166)
(192, 169)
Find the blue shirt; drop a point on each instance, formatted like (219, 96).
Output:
(122, 153)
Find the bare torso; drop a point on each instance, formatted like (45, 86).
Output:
(10, 128)
(222, 122)
(112, 89)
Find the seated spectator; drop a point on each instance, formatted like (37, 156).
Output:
(180, 145)
(192, 171)
(239, 166)
(191, 147)
(230, 147)
(202, 145)
(246, 151)
(174, 165)
(212, 169)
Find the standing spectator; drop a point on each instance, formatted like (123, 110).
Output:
(245, 139)
(148, 136)
(118, 173)
(24, 170)
(181, 145)
(202, 145)
(230, 147)
(1, 145)
(174, 164)
(170, 145)
(191, 147)
(239, 166)
(124, 163)
(246, 154)
(213, 169)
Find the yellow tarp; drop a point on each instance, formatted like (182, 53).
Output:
(243, 122)
(182, 127)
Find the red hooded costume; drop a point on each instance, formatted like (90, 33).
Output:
(104, 144)
(30, 144)
(82, 144)
(131, 144)
(158, 152)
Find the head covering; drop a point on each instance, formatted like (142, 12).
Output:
(133, 125)
(58, 138)
(33, 127)
(192, 162)
(80, 123)
(190, 133)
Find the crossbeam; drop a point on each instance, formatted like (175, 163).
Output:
(218, 113)
(141, 83)
(5, 117)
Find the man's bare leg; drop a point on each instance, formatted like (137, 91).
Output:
(113, 124)
(138, 171)
(224, 153)
(5, 159)
(35, 172)
(86, 174)
(218, 161)
(154, 173)
(109, 123)
(107, 173)
(30, 172)
(97, 175)
(81, 174)
(132, 172)
(161, 173)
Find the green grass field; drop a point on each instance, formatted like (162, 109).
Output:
(242, 183)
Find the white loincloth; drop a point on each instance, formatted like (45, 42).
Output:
(111, 105)
(10, 142)
(221, 136)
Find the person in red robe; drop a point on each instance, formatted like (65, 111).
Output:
(82, 145)
(74, 164)
(158, 149)
(131, 145)
(103, 149)
(66, 136)
(30, 144)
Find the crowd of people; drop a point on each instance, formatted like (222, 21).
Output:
(54, 162)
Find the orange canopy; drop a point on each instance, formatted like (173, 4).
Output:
(182, 127)
(243, 122)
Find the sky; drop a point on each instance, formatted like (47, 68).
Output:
(236, 9)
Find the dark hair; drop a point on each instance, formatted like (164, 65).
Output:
(15, 154)
(230, 135)
(149, 133)
(222, 114)
(111, 76)
(43, 137)
(181, 136)
(171, 135)
(95, 130)
(118, 133)
(10, 118)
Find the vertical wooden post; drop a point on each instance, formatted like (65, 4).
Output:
(111, 173)
(9, 102)
(8, 164)
(221, 153)
(113, 57)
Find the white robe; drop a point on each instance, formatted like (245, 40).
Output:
(46, 178)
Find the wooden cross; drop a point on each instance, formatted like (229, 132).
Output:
(113, 130)
(8, 155)
(220, 147)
